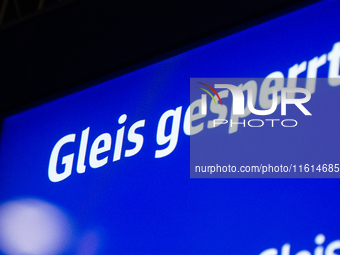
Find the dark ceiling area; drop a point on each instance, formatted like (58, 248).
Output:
(65, 43)
(16, 11)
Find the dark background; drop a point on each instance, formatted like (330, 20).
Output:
(48, 51)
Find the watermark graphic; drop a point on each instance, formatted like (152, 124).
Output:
(208, 86)
(244, 117)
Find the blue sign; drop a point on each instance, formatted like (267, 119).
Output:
(106, 170)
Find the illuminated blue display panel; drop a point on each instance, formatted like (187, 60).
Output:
(107, 170)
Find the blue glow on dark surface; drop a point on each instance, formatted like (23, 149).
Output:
(148, 205)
